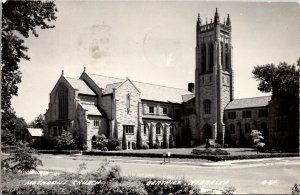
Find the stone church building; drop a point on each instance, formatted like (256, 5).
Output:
(95, 104)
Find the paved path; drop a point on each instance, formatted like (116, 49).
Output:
(276, 175)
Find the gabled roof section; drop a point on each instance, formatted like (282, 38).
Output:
(187, 97)
(148, 91)
(102, 81)
(109, 88)
(248, 103)
(91, 109)
(35, 132)
(80, 85)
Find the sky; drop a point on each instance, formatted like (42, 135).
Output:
(151, 42)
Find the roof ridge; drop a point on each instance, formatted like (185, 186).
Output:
(160, 85)
(252, 97)
(138, 81)
(106, 76)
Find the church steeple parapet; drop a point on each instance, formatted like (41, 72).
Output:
(228, 21)
(216, 18)
(198, 22)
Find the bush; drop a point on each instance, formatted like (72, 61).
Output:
(101, 142)
(112, 144)
(216, 145)
(124, 142)
(105, 149)
(127, 187)
(145, 146)
(65, 141)
(171, 141)
(118, 148)
(156, 146)
(84, 147)
(209, 151)
(22, 160)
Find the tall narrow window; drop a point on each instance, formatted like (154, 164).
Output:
(62, 102)
(222, 55)
(226, 57)
(211, 57)
(203, 53)
(207, 105)
(128, 103)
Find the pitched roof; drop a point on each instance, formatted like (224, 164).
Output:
(82, 87)
(35, 132)
(109, 88)
(91, 109)
(187, 97)
(148, 91)
(158, 117)
(248, 103)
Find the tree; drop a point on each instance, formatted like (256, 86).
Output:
(19, 19)
(38, 122)
(139, 141)
(256, 139)
(165, 140)
(124, 142)
(281, 80)
(171, 141)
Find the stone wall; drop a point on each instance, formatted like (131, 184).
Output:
(241, 137)
(123, 115)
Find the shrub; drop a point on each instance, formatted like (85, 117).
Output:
(112, 144)
(165, 141)
(22, 160)
(171, 142)
(209, 151)
(104, 149)
(216, 145)
(84, 147)
(118, 148)
(65, 141)
(101, 142)
(256, 139)
(139, 141)
(150, 139)
(145, 146)
(124, 142)
(156, 146)
(219, 151)
(127, 187)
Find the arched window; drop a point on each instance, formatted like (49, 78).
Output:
(128, 103)
(158, 128)
(203, 54)
(226, 57)
(62, 102)
(172, 129)
(232, 129)
(211, 57)
(207, 106)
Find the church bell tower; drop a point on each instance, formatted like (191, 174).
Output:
(213, 77)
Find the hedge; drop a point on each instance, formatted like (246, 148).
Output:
(188, 156)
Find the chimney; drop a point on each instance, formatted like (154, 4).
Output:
(191, 87)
